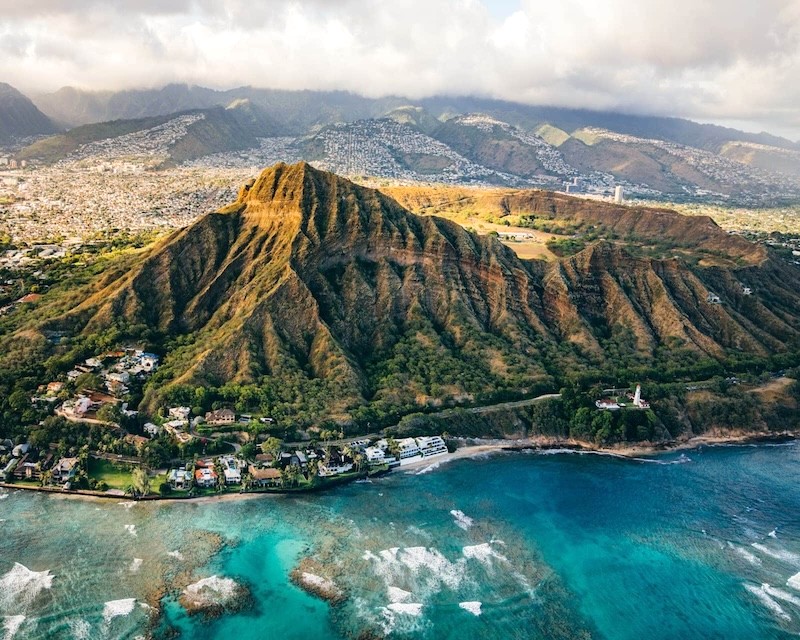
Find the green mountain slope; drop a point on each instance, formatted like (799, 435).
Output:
(324, 299)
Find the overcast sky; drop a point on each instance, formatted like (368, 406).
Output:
(728, 61)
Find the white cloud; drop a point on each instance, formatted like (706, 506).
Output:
(716, 59)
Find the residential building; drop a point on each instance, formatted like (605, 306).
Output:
(268, 477)
(64, 470)
(181, 413)
(205, 477)
(179, 479)
(408, 448)
(431, 446)
(220, 416)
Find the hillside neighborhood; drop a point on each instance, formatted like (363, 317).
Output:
(199, 454)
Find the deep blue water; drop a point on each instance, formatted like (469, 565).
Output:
(700, 545)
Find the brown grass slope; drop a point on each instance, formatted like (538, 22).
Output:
(310, 275)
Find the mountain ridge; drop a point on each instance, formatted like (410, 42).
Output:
(19, 116)
(350, 106)
(340, 302)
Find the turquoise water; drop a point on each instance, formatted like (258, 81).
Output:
(701, 545)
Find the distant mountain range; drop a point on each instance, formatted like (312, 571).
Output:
(437, 139)
(297, 111)
(19, 117)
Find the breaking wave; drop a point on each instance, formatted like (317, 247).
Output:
(118, 608)
(11, 625)
(765, 598)
(474, 607)
(462, 520)
(783, 555)
(20, 587)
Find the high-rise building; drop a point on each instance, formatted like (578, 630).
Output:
(619, 198)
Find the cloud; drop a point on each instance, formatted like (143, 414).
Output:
(716, 59)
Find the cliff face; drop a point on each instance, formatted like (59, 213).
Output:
(310, 277)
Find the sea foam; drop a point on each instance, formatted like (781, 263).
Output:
(401, 617)
(118, 608)
(408, 608)
(778, 554)
(80, 629)
(212, 591)
(20, 586)
(794, 581)
(11, 625)
(461, 519)
(131, 528)
(136, 564)
(483, 553)
(780, 594)
(396, 594)
(767, 601)
(474, 607)
(744, 553)
(425, 566)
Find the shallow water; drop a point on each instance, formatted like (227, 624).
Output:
(703, 545)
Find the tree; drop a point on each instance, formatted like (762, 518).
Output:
(109, 413)
(140, 481)
(326, 435)
(248, 451)
(393, 447)
(271, 445)
(361, 462)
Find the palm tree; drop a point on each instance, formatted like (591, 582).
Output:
(313, 471)
(393, 447)
(361, 462)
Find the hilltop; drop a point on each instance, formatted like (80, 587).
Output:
(315, 298)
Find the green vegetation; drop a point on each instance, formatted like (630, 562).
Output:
(331, 343)
(112, 475)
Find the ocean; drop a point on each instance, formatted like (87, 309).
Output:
(699, 544)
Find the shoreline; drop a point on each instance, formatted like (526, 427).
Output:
(478, 448)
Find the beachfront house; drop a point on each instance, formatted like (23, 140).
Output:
(179, 479)
(64, 470)
(230, 470)
(375, 455)
(206, 477)
(431, 446)
(151, 429)
(331, 468)
(268, 477)
(408, 448)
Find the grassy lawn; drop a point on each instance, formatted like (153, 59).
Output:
(114, 475)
